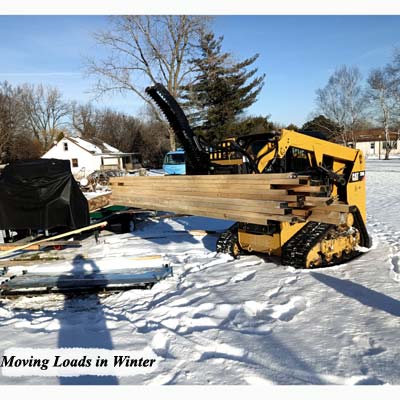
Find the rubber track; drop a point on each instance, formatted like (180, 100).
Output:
(227, 240)
(365, 239)
(296, 249)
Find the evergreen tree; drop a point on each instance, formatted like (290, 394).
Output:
(322, 124)
(251, 125)
(222, 89)
(292, 127)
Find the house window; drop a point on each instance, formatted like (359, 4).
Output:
(75, 162)
(372, 147)
(65, 146)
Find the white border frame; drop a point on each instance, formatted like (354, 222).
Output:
(210, 7)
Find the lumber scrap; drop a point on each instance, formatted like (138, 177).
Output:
(69, 233)
(40, 246)
(95, 203)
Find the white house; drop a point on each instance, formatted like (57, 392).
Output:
(373, 143)
(89, 155)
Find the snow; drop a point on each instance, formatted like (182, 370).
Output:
(91, 147)
(149, 172)
(111, 149)
(218, 320)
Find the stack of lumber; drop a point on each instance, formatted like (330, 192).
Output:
(255, 198)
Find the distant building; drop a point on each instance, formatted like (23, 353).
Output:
(373, 142)
(89, 155)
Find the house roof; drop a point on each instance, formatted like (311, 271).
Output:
(94, 145)
(374, 135)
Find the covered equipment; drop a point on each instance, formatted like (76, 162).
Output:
(41, 195)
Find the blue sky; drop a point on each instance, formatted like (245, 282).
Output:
(297, 54)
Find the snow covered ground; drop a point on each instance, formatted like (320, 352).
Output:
(223, 321)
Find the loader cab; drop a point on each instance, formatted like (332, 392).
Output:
(175, 162)
(265, 144)
(254, 143)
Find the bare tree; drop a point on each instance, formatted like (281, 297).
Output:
(394, 71)
(7, 101)
(144, 50)
(45, 112)
(112, 127)
(342, 100)
(153, 145)
(120, 130)
(12, 121)
(84, 119)
(383, 99)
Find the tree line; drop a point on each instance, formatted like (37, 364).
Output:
(214, 87)
(181, 52)
(348, 103)
(33, 118)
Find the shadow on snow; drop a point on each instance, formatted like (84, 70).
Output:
(75, 335)
(362, 294)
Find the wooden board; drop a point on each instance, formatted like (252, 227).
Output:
(331, 217)
(184, 199)
(288, 181)
(333, 207)
(195, 191)
(308, 189)
(163, 205)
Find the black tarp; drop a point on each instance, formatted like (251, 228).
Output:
(41, 195)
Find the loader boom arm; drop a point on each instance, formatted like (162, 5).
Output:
(318, 147)
(197, 156)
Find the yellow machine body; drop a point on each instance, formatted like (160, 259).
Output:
(269, 244)
(347, 164)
